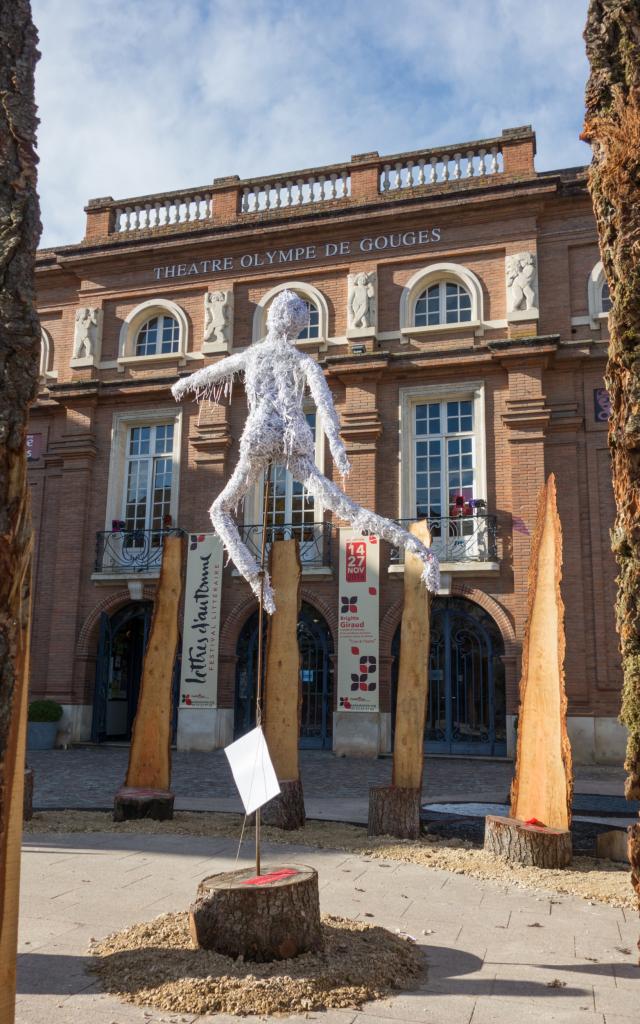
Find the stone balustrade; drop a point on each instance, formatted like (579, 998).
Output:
(439, 166)
(367, 178)
(295, 190)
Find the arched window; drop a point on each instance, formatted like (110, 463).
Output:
(446, 302)
(598, 296)
(442, 296)
(155, 330)
(605, 298)
(317, 328)
(158, 334)
(312, 330)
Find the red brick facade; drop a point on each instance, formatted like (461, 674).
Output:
(538, 374)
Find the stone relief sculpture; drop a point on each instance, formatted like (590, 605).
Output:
(87, 335)
(276, 375)
(361, 302)
(218, 319)
(522, 282)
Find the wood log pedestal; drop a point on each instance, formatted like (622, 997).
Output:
(133, 802)
(535, 846)
(274, 917)
(286, 811)
(394, 811)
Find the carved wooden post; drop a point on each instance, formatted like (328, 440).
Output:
(395, 810)
(282, 687)
(537, 831)
(145, 793)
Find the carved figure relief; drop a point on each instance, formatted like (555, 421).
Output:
(87, 335)
(218, 319)
(522, 282)
(361, 302)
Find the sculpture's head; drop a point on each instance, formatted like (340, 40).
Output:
(287, 316)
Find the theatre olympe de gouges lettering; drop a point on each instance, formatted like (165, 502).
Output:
(458, 309)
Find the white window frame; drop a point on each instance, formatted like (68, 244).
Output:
(122, 423)
(410, 397)
(305, 291)
(435, 274)
(139, 316)
(594, 296)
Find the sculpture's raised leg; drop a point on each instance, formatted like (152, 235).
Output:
(329, 495)
(242, 480)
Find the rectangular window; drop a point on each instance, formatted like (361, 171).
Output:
(442, 467)
(289, 503)
(148, 476)
(443, 457)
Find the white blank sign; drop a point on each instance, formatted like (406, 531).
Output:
(252, 770)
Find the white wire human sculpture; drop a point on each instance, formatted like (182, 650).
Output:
(276, 431)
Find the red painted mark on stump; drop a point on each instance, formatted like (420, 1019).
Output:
(273, 876)
(534, 821)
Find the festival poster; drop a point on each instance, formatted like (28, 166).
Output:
(201, 628)
(358, 622)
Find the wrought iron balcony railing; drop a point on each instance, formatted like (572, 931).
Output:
(130, 551)
(464, 538)
(315, 540)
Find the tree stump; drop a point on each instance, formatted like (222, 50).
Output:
(527, 845)
(272, 917)
(131, 802)
(286, 811)
(394, 811)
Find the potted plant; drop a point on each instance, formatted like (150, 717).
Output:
(43, 719)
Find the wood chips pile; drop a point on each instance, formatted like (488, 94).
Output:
(155, 964)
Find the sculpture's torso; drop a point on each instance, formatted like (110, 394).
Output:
(276, 426)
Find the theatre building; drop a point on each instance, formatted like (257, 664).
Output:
(458, 310)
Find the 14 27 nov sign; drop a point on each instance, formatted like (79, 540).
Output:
(356, 567)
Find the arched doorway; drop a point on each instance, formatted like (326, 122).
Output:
(121, 645)
(466, 710)
(316, 678)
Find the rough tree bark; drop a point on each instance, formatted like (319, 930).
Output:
(19, 356)
(612, 126)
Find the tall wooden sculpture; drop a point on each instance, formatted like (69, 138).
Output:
(282, 687)
(145, 793)
(537, 831)
(395, 809)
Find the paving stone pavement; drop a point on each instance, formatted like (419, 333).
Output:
(334, 787)
(495, 954)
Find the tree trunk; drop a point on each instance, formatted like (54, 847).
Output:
(612, 126)
(282, 696)
(543, 782)
(286, 810)
(277, 918)
(527, 845)
(395, 810)
(19, 355)
(145, 793)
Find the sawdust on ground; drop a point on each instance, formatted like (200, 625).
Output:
(599, 881)
(155, 964)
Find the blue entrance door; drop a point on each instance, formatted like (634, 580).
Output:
(466, 700)
(316, 678)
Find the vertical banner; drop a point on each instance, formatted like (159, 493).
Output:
(201, 629)
(358, 622)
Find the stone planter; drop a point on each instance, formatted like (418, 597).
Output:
(41, 735)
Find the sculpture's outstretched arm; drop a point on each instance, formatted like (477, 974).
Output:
(207, 383)
(324, 403)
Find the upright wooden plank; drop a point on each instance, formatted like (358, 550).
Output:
(149, 756)
(413, 670)
(282, 676)
(543, 783)
(12, 813)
